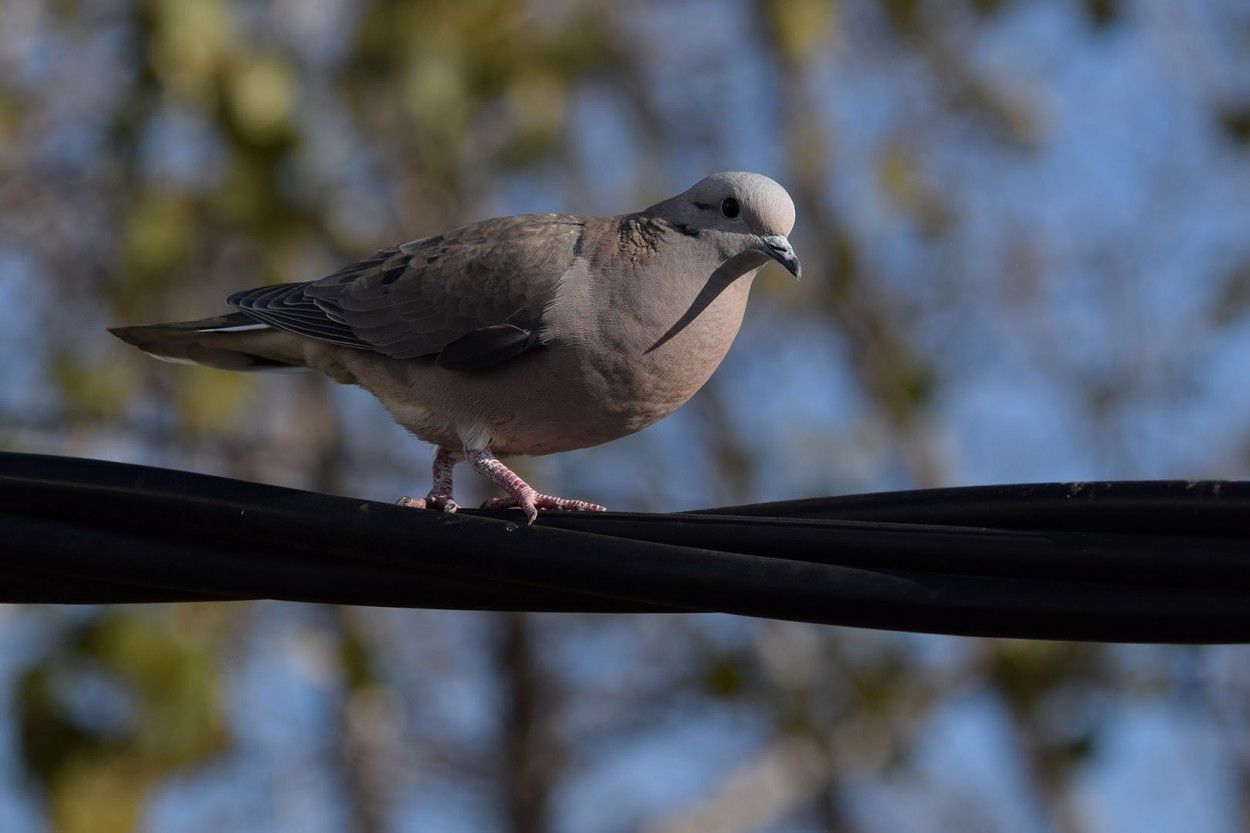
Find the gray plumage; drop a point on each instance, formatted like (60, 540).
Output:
(519, 335)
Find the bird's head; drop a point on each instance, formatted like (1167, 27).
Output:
(743, 212)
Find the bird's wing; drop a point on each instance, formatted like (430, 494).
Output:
(473, 297)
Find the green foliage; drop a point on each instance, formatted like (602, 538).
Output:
(800, 28)
(127, 700)
(465, 84)
(157, 240)
(86, 382)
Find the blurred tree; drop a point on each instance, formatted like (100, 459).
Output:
(999, 285)
(124, 702)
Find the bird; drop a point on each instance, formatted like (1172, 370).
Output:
(522, 335)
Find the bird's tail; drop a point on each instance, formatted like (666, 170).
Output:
(229, 342)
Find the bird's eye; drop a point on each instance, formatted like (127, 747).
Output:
(729, 207)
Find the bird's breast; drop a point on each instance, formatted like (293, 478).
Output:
(640, 355)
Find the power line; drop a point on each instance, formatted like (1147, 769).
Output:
(1150, 561)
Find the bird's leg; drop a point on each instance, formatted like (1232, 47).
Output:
(440, 493)
(522, 495)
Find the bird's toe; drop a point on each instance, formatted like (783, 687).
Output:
(440, 502)
(531, 502)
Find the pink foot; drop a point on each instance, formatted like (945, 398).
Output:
(440, 493)
(530, 502)
(430, 501)
(520, 493)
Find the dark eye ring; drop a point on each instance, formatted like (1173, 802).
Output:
(729, 207)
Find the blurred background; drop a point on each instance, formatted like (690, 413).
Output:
(1025, 230)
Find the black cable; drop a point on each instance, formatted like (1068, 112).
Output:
(1155, 561)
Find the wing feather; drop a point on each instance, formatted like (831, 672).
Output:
(483, 288)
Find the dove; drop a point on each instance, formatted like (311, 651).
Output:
(518, 336)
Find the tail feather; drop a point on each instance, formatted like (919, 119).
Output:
(228, 342)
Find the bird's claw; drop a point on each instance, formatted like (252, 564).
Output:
(530, 502)
(430, 501)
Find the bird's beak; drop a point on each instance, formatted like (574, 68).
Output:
(779, 249)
